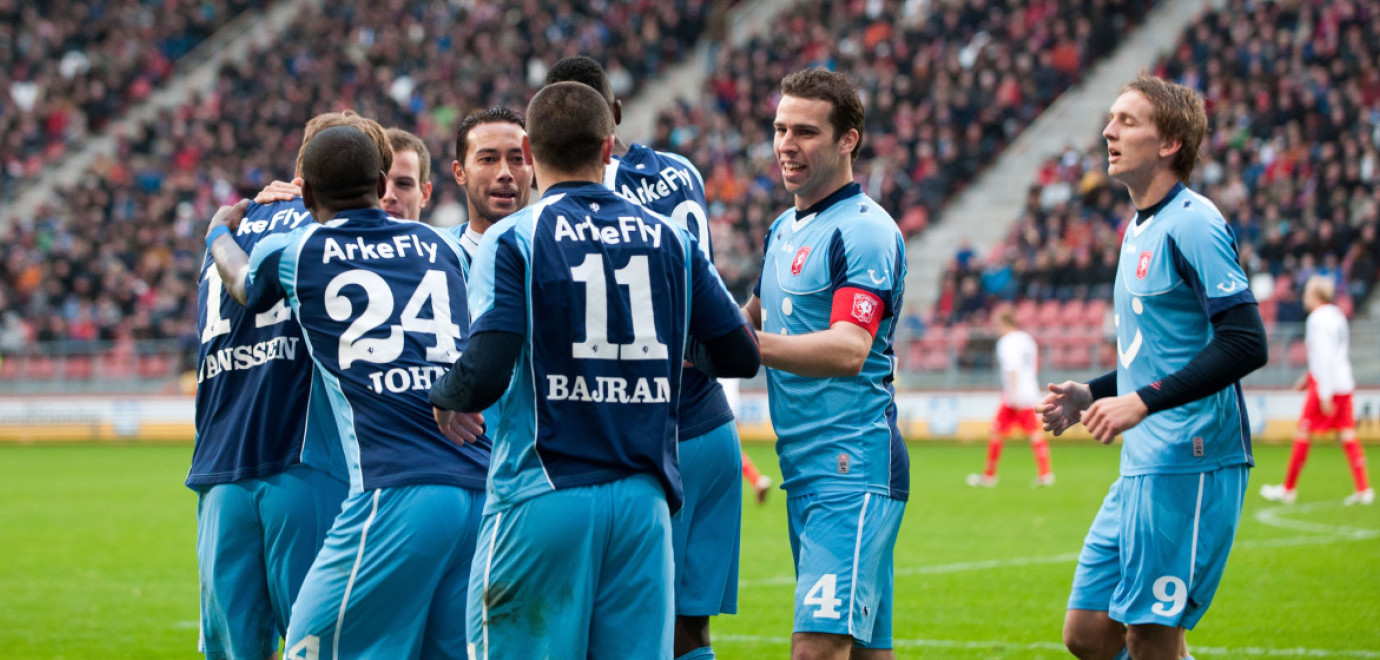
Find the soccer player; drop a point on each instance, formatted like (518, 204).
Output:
(1188, 330)
(1329, 384)
(592, 298)
(827, 302)
(706, 531)
(381, 303)
(489, 166)
(1017, 359)
(409, 179)
(268, 489)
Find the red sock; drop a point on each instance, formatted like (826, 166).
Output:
(1297, 458)
(1040, 446)
(993, 455)
(1357, 458)
(750, 471)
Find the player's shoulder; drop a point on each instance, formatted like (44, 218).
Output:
(860, 215)
(1189, 213)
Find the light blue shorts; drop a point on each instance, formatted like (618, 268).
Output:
(842, 544)
(392, 578)
(1157, 549)
(705, 532)
(255, 540)
(575, 573)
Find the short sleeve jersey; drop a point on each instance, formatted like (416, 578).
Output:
(670, 185)
(253, 375)
(382, 305)
(838, 433)
(1178, 269)
(604, 292)
(1328, 341)
(1017, 359)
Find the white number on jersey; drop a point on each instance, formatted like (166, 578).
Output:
(691, 209)
(307, 649)
(377, 310)
(822, 596)
(1172, 594)
(217, 325)
(636, 276)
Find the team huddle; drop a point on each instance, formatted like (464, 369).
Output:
(507, 439)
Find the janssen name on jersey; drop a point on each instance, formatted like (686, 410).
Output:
(253, 378)
(605, 292)
(382, 305)
(670, 185)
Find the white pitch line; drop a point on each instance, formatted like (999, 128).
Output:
(1273, 517)
(1249, 651)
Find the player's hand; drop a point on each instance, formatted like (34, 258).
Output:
(1301, 384)
(1060, 409)
(228, 216)
(1326, 406)
(1107, 418)
(280, 191)
(459, 427)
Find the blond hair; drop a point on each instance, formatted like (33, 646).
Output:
(370, 127)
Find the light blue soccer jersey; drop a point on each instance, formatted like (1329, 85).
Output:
(382, 305)
(239, 435)
(605, 292)
(836, 433)
(1178, 269)
(670, 185)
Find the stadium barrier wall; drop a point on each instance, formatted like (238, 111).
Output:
(935, 415)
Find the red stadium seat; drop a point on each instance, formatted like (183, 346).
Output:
(1298, 354)
(77, 367)
(155, 366)
(40, 367)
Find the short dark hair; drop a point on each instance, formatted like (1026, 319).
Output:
(1179, 115)
(825, 85)
(341, 164)
(401, 140)
(581, 69)
(492, 115)
(570, 123)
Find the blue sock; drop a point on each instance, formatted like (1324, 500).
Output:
(1124, 655)
(701, 653)
(1188, 657)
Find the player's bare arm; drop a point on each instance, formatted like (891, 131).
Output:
(1064, 405)
(752, 311)
(231, 260)
(839, 351)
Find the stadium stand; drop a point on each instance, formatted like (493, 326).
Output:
(114, 259)
(946, 91)
(67, 68)
(1293, 162)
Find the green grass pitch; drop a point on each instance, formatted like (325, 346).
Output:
(97, 559)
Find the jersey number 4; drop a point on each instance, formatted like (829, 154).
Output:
(637, 278)
(378, 308)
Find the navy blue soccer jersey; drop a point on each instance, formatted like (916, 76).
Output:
(843, 257)
(382, 306)
(253, 375)
(1178, 269)
(670, 185)
(605, 292)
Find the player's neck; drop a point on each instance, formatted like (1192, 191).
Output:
(1152, 191)
(547, 177)
(479, 223)
(620, 148)
(843, 178)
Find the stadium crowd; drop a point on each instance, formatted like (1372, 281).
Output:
(116, 256)
(1293, 163)
(946, 91)
(68, 68)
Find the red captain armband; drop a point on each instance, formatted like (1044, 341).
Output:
(859, 307)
